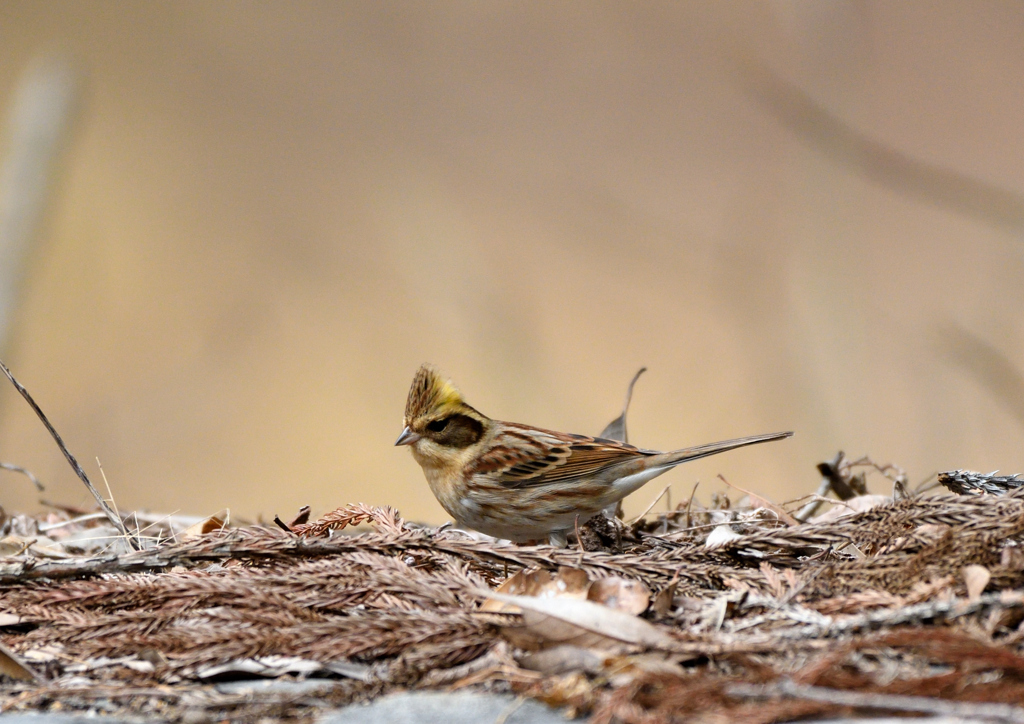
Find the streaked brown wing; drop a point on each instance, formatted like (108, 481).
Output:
(526, 456)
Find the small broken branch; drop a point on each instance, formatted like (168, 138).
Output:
(27, 473)
(104, 506)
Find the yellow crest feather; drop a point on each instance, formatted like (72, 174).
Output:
(430, 394)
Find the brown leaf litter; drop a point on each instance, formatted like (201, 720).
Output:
(910, 606)
(898, 604)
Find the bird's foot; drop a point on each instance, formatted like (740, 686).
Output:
(558, 539)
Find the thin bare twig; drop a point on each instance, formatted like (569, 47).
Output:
(653, 503)
(27, 473)
(46, 527)
(111, 515)
(805, 513)
(689, 503)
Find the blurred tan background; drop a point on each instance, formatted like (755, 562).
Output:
(799, 215)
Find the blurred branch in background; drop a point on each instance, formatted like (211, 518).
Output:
(882, 164)
(38, 128)
(986, 364)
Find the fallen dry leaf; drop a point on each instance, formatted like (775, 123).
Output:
(207, 525)
(558, 621)
(857, 504)
(720, 535)
(622, 670)
(976, 578)
(566, 691)
(665, 600)
(12, 665)
(565, 583)
(568, 583)
(563, 660)
(931, 530)
(13, 546)
(39, 546)
(624, 594)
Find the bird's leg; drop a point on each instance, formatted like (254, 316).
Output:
(558, 539)
(614, 510)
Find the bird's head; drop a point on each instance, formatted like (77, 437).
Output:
(438, 422)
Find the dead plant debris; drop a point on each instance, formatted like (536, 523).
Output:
(897, 604)
(909, 606)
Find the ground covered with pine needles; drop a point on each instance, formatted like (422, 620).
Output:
(909, 604)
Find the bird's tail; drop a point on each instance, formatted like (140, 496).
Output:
(676, 457)
(632, 474)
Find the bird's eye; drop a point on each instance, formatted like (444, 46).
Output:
(437, 425)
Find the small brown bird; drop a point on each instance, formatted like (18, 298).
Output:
(525, 483)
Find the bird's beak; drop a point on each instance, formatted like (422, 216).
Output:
(408, 437)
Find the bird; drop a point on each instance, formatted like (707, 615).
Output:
(523, 483)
